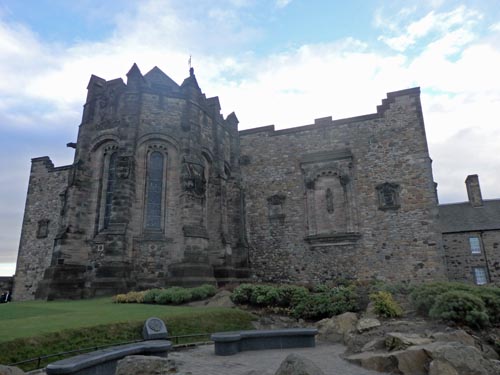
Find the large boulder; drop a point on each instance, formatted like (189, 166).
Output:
(465, 359)
(448, 358)
(407, 362)
(400, 341)
(438, 367)
(295, 364)
(463, 337)
(335, 329)
(10, 370)
(365, 324)
(457, 335)
(144, 365)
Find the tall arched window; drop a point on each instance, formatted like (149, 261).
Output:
(154, 189)
(110, 188)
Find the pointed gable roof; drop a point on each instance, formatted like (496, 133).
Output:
(134, 76)
(157, 77)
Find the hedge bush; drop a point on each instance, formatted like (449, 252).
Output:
(330, 302)
(424, 296)
(466, 310)
(174, 296)
(169, 296)
(130, 297)
(150, 295)
(460, 307)
(202, 292)
(385, 306)
(298, 301)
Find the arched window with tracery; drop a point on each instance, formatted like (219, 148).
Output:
(110, 189)
(154, 190)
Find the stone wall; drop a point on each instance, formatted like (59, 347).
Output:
(120, 227)
(42, 220)
(349, 198)
(461, 261)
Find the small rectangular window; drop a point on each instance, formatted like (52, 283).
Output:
(475, 246)
(480, 277)
(43, 229)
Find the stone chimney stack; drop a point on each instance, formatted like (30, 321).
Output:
(474, 190)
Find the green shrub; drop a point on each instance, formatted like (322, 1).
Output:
(291, 295)
(297, 300)
(460, 307)
(424, 296)
(328, 303)
(241, 295)
(491, 299)
(150, 295)
(264, 295)
(385, 306)
(173, 296)
(202, 292)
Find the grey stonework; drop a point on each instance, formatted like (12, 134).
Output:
(476, 219)
(345, 160)
(165, 191)
(113, 226)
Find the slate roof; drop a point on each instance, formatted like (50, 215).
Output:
(462, 217)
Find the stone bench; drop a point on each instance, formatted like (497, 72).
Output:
(103, 362)
(229, 343)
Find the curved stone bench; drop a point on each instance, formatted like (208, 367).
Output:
(103, 362)
(228, 343)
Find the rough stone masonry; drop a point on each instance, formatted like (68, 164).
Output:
(164, 190)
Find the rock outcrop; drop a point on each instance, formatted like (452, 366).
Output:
(295, 364)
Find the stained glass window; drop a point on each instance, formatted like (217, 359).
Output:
(154, 190)
(110, 188)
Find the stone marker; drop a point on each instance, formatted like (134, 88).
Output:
(154, 329)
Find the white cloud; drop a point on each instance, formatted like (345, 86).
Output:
(282, 3)
(458, 21)
(495, 27)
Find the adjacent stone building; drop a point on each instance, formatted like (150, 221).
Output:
(471, 236)
(165, 191)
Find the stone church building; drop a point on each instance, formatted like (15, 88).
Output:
(166, 191)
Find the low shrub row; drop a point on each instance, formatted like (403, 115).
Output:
(474, 306)
(169, 296)
(299, 302)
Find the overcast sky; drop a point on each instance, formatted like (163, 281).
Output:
(281, 62)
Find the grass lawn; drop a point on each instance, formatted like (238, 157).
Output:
(30, 329)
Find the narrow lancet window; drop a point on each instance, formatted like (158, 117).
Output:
(154, 190)
(329, 201)
(110, 188)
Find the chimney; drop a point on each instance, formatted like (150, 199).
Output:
(474, 190)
